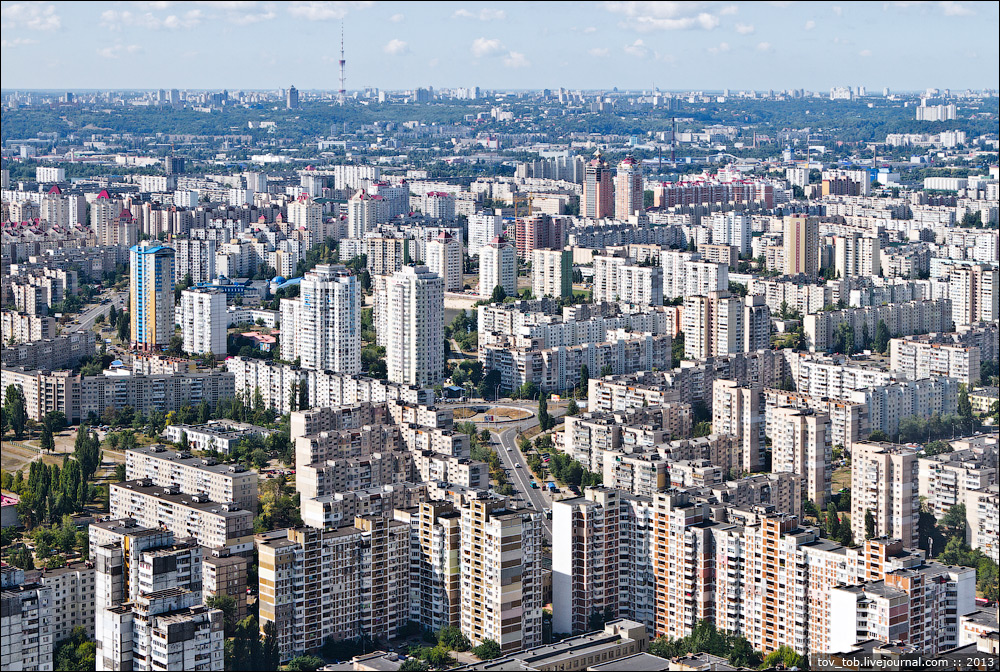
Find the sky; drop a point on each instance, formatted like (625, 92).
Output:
(500, 45)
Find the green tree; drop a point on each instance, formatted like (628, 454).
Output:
(572, 408)
(786, 657)
(453, 638)
(48, 442)
(488, 650)
(305, 664)
(869, 525)
(499, 294)
(543, 414)
(964, 405)
(955, 520)
(882, 337)
(271, 654)
(227, 605)
(17, 414)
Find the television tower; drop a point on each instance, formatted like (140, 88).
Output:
(343, 63)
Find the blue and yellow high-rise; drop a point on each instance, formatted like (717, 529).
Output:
(151, 271)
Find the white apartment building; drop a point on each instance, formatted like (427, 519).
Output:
(24, 328)
(45, 174)
(26, 630)
(982, 510)
(551, 273)
(975, 294)
(889, 403)
(304, 212)
(339, 583)
(361, 214)
(444, 257)
(628, 193)
(920, 359)
(947, 479)
(73, 598)
(322, 326)
(501, 574)
(497, 267)
(193, 475)
(884, 484)
(800, 444)
(196, 258)
(204, 322)
(415, 326)
(732, 228)
(737, 411)
(483, 228)
(686, 274)
(213, 525)
(857, 255)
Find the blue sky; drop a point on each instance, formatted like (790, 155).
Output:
(590, 45)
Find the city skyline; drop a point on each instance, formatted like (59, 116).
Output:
(629, 45)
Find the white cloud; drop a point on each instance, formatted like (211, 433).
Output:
(590, 29)
(865, 53)
(17, 42)
(396, 18)
(763, 46)
(721, 49)
(955, 9)
(482, 47)
(115, 20)
(810, 24)
(837, 9)
(516, 59)
(637, 49)
(744, 28)
(729, 9)
(29, 15)
(395, 47)
(599, 51)
(647, 16)
(315, 10)
(117, 50)
(485, 14)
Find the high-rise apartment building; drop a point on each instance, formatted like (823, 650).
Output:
(801, 245)
(306, 213)
(193, 475)
(539, 232)
(435, 564)
(975, 294)
(415, 326)
(737, 410)
(800, 444)
(856, 255)
(196, 258)
(501, 574)
(361, 214)
(483, 228)
(335, 583)
(585, 556)
(598, 189)
(606, 269)
(921, 359)
(322, 326)
(386, 255)
(444, 257)
(551, 273)
(756, 323)
(732, 228)
(628, 189)
(204, 321)
(26, 632)
(292, 98)
(151, 289)
(714, 325)
(497, 267)
(885, 486)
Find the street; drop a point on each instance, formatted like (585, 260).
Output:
(87, 317)
(521, 477)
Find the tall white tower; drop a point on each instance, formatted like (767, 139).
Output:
(415, 322)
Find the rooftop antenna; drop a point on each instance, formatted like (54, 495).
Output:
(343, 63)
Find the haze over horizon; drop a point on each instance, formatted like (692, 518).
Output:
(629, 45)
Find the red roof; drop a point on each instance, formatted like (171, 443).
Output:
(55, 190)
(104, 194)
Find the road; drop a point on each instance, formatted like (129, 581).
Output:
(87, 317)
(521, 477)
